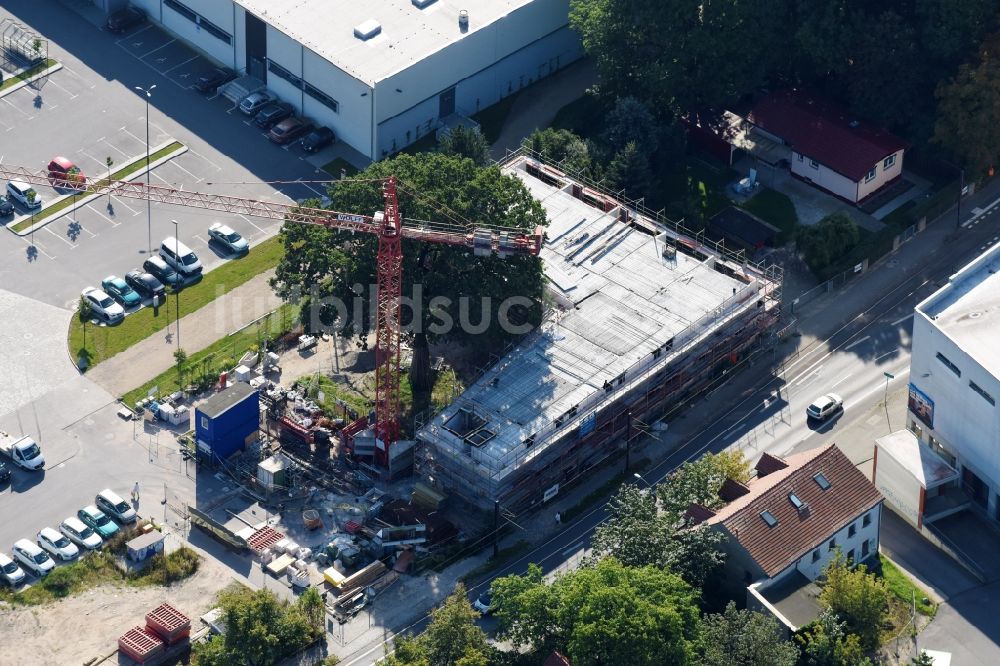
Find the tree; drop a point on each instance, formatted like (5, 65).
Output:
(745, 638)
(180, 362)
(563, 148)
(922, 659)
(260, 630)
(858, 597)
(637, 533)
(84, 312)
(968, 110)
(480, 301)
(699, 481)
(829, 240)
(630, 121)
(313, 609)
(678, 56)
(629, 171)
(605, 614)
(468, 142)
(452, 638)
(826, 642)
(950, 30)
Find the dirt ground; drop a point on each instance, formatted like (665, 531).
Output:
(79, 628)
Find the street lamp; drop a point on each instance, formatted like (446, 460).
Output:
(177, 293)
(640, 478)
(149, 210)
(888, 376)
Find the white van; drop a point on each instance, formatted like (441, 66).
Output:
(24, 194)
(180, 257)
(110, 503)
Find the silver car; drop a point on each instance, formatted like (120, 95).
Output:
(253, 102)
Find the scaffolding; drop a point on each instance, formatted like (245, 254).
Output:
(649, 322)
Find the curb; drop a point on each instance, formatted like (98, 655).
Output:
(28, 81)
(83, 201)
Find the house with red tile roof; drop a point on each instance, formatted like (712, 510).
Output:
(845, 156)
(785, 525)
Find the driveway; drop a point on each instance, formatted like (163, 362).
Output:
(967, 627)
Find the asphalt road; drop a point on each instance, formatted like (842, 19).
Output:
(860, 334)
(88, 111)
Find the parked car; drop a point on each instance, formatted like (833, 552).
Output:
(824, 407)
(226, 236)
(123, 19)
(10, 572)
(103, 305)
(5, 473)
(119, 290)
(6, 207)
(32, 558)
(213, 78)
(80, 534)
(63, 173)
(57, 544)
(288, 130)
(24, 194)
(98, 521)
(180, 257)
(317, 139)
(272, 114)
(159, 269)
(145, 285)
(253, 102)
(112, 504)
(484, 603)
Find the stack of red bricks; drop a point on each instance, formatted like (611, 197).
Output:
(169, 624)
(140, 645)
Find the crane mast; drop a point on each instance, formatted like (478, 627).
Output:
(387, 224)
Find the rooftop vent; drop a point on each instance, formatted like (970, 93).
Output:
(463, 20)
(422, 4)
(367, 30)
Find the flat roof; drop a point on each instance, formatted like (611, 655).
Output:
(408, 34)
(223, 400)
(917, 458)
(624, 301)
(967, 309)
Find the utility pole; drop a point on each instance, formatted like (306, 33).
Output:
(888, 376)
(496, 527)
(958, 202)
(628, 437)
(148, 92)
(177, 294)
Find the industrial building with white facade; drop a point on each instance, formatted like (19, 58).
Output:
(955, 377)
(385, 73)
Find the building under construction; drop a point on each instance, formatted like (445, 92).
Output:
(648, 314)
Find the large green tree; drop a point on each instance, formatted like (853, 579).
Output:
(699, 481)
(826, 642)
(829, 240)
(452, 638)
(460, 297)
(466, 142)
(858, 597)
(745, 638)
(605, 614)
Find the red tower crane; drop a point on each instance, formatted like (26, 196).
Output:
(386, 224)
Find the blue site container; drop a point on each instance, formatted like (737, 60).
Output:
(225, 422)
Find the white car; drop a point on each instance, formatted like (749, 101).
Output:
(103, 305)
(80, 534)
(10, 572)
(32, 558)
(226, 236)
(57, 544)
(24, 194)
(825, 406)
(484, 603)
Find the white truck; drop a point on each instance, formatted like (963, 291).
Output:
(23, 451)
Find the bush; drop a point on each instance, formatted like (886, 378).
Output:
(823, 244)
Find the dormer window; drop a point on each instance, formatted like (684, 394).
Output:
(796, 502)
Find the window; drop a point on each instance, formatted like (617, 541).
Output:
(800, 157)
(204, 421)
(821, 481)
(814, 164)
(850, 556)
(870, 176)
(183, 10)
(215, 30)
(986, 396)
(864, 548)
(283, 73)
(889, 161)
(832, 544)
(867, 520)
(321, 97)
(816, 555)
(852, 530)
(796, 502)
(951, 366)
(769, 518)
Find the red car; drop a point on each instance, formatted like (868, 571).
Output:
(289, 130)
(64, 173)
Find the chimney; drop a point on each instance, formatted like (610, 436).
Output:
(463, 20)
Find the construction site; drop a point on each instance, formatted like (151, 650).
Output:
(646, 315)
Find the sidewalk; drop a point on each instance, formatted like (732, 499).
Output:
(143, 361)
(538, 105)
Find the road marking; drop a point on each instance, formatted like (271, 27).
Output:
(811, 375)
(299, 180)
(183, 63)
(572, 549)
(113, 223)
(133, 136)
(64, 240)
(71, 95)
(251, 222)
(126, 206)
(840, 381)
(156, 49)
(856, 343)
(187, 172)
(888, 353)
(901, 320)
(217, 167)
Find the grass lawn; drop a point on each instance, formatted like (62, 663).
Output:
(99, 568)
(903, 588)
(121, 174)
(333, 168)
(332, 391)
(103, 342)
(221, 355)
(27, 74)
(776, 209)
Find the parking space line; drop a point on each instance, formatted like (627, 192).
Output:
(133, 136)
(71, 95)
(201, 239)
(250, 222)
(162, 179)
(187, 172)
(113, 223)
(71, 245)
(194, 152)
(166, 71)
(22, 112)
(39, 247)
(122, 39)
(321, 194)
(134, 211)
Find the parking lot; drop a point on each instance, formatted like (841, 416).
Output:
(89, 111)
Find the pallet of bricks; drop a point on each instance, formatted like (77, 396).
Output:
(166, 636)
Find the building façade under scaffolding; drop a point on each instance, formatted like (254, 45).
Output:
(648, 314)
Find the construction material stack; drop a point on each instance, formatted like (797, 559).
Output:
(141, 645)
(169, 624)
